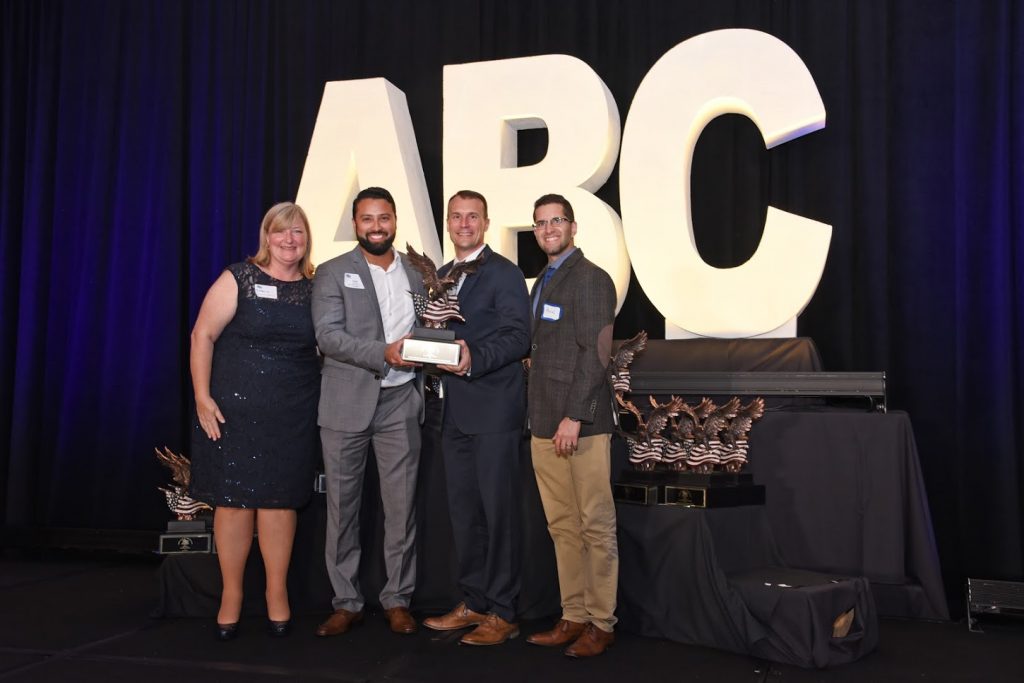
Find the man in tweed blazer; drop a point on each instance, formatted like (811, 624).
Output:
(570, 411)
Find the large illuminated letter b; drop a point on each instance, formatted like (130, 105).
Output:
(486, 103)
(732, 71)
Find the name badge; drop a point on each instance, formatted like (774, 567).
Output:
(353, 281)
(266, 291)
(551, 312)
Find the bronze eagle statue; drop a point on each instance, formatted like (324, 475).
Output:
(646, 444)
(735, 435)
(441, 304)
(178, 500)
(618, 368)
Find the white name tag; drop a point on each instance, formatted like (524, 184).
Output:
(266, 291)
(551, 312)
(353, 281)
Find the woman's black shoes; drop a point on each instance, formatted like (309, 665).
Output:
(279, 629)
(227, 632)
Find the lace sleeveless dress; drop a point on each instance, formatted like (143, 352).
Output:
(266, 380)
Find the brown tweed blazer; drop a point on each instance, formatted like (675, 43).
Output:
(570, 349)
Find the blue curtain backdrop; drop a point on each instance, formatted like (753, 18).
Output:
(141, 142)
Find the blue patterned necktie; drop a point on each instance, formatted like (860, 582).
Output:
(548, 272)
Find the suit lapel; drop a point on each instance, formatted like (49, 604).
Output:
(553, 284)
(473, 278)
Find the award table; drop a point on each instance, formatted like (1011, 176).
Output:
(844, 498)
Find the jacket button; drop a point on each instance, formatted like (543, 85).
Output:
(533, 347)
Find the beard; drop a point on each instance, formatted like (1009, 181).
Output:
(376, 248)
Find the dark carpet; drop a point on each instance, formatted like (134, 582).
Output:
(86, 617)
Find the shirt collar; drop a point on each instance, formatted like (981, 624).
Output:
(472, 257)
(561, 259)
(394, 262)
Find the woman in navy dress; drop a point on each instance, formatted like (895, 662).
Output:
(256, 377)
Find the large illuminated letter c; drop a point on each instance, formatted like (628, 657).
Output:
(731, 71)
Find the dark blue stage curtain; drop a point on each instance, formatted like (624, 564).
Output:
(141, 142)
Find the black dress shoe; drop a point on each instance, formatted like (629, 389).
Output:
(279, 629)
(227, 631)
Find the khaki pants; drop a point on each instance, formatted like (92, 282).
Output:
(577, 497)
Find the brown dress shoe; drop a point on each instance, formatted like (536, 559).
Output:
(593, 642)
(563, 632)
(460, 617)
(400, 620)
(339, 622)
(494, 631)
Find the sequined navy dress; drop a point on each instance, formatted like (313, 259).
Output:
(266, 381)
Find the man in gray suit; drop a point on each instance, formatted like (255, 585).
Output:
(363, 311)
(570, 413)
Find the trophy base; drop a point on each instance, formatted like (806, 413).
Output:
(187, 536)
(688, 489)
(431, 347)
(712, 496)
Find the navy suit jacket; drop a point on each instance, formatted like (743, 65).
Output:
(496, 306)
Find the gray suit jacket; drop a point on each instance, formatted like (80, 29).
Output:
(350, 334)
(571, 348)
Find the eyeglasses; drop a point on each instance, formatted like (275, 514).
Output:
(556, 222)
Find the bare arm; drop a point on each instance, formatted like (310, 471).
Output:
(217, 310)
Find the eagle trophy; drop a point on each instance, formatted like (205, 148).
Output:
(706, 452)
(618, 368)
(441, 303)
(735, 436)
(178, 500)
(646, 444)
(683, 433)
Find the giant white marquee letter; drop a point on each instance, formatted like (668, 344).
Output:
(364, 137)
(730, 71)
(486, 103)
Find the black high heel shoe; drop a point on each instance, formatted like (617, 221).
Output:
(279, 629)
(227, 632)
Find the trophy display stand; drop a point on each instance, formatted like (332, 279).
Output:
(688, 489)
(187, 536)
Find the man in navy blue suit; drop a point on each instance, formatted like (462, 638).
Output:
(482, 429)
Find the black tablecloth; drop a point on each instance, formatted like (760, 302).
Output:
(844, 497)
(711, 577)
(845, 494)
(798, 354)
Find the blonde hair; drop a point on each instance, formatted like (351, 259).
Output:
(282, 215)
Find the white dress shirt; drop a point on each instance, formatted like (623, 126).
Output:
(396, 312)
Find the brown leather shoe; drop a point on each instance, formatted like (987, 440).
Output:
(593, 642)
(563, 632)
(460, 617)
(339, 622)
(494, 631)
(400, 620)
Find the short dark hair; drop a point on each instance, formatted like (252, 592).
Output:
(374, 193)
(556, 199)
(470, 194)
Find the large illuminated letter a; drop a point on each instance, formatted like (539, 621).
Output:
(486, 103)
(731, 71)
(364, 137)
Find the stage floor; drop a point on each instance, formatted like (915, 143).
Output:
(86, 617)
